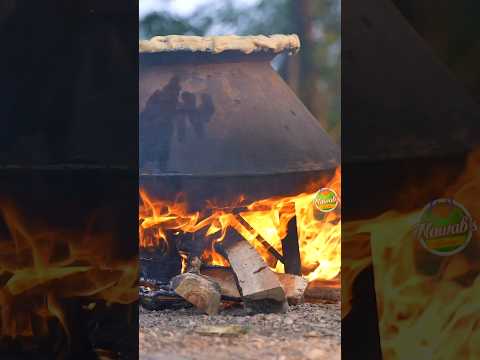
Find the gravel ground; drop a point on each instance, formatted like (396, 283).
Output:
(306, 332)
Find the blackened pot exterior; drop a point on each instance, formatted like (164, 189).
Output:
(228, 114)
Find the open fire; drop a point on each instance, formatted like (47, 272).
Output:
(262, 223)
(424, 300)
(56, 281)
(228, 180)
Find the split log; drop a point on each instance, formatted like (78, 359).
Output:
(224, 277)
(255, 279)
(294, 287)
(159, 296)
(324, 290)
(274, 254)
(198, 290)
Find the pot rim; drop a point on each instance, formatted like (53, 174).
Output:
(275, 44)
(189, 57)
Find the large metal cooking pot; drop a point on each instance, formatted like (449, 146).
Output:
(224, 112)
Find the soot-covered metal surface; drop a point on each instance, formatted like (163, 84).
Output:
(223, 115)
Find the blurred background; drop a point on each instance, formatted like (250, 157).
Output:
(313, 74)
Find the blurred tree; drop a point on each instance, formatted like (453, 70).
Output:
(163, 23)
(314, 74)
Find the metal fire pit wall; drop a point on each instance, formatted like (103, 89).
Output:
(217, 121)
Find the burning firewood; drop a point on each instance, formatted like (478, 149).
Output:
(254, 278)
(294, 287)
(194, 264)
(274, 256)
(198, 290)
(225, 278)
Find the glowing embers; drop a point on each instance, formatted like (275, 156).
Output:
(263, 223)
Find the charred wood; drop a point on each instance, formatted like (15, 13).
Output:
(291, 250)
(161, 299)
(161, 263)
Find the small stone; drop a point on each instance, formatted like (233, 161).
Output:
(228, 330)
(317, 354)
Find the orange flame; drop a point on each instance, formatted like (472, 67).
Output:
(261, 221)
(427, 304)
(39, 269)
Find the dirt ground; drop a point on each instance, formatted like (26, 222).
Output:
(306, 332)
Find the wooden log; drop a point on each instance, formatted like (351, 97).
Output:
(324, 290)
(159, 296)
(254, 278)
(275, 255)
(224, 277)
(198, 290)
(294, 287)
(291, 250)
(193, 264)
